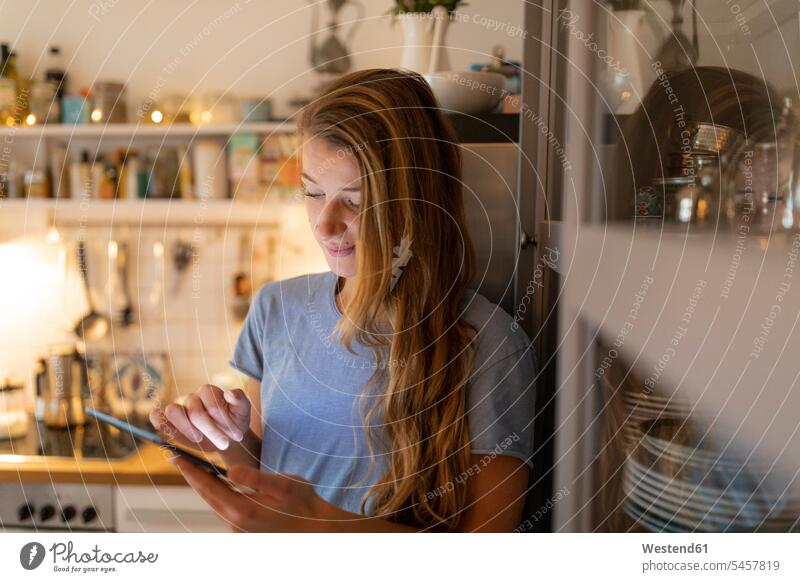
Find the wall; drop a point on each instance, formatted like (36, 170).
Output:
(247, 48)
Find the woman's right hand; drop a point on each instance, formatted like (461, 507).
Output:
(209, 418)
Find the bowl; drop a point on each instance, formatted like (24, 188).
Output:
(470, 92)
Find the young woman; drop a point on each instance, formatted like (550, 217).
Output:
(387, 395)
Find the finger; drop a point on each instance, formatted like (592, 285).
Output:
(217, 408)
(219, 496)
(164, 426)
(179, 418)
(204, 423)
(238, 401)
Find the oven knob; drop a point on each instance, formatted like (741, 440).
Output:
(47, 512)
(25, 512)
(67, 513)
(88, 514)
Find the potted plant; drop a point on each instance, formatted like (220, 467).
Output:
(424, 24)
(421, 6)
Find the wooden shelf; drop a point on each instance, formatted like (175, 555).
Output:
(489, 128)
(134, 130)
(151, 211)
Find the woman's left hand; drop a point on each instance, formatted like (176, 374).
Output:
(281, 503)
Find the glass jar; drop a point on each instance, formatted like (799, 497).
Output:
(694, 203)
(8, 101)
(44, 107)
(762, 186)
(13, 415)
(109, 103)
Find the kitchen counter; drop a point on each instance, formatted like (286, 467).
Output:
(146, 466)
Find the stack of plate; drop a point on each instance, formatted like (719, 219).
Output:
(644, 408)
(678, 479)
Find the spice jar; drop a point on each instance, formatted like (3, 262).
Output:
(109, 103)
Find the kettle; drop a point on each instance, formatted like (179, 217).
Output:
(61, 384)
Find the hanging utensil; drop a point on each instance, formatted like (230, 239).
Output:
(182, 254)
(123, 260)
(156, 295)
(241, 285)
(678, 52)
(93, 325)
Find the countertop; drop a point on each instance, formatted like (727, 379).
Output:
(146, 466)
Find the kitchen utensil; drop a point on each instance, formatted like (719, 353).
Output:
(93, 325)
(182, 254)
(123, 262)
(13, 416)
(97, 376)
(331, 56)
(138, 381)
(469, 92)
(65, 388)
(678, 52)
(714, 138)
(241, 285)
(156, 296)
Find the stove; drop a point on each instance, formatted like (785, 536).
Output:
(94, 440)
(26, 506)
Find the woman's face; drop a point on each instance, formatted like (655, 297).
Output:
(332, 188)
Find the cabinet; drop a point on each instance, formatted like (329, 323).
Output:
(717, 325)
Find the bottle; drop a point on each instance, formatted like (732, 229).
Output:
(121, 165)
(98, 171)
(22, 89)
(55, 71)
(108, 184)
(8, 88)
(80, 178)
(132, 170)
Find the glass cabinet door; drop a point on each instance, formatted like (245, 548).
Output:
(679, 235)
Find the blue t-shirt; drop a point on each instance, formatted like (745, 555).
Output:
(311, 397)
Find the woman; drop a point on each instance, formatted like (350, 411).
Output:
(392, 398)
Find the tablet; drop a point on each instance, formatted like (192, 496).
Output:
(152, 437)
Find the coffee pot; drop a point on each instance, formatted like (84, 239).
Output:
(62, 386)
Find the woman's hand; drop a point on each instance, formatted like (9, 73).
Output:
(209, 418)
(281, 503)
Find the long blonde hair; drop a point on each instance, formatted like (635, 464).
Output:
(410, 162)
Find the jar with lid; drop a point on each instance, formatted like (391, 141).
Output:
(109, 103)
(761, 179)
(694, 202)
(44, 107)
(13, 415)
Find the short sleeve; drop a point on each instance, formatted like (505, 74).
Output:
(501, 393)
(248, 355)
